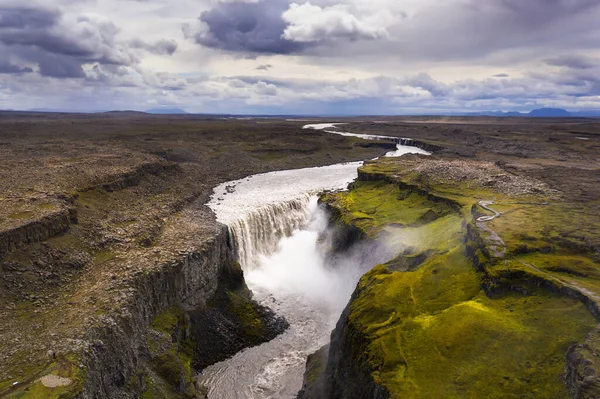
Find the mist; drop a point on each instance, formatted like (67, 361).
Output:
(302, 267)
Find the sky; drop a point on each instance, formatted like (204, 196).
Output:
(294, 57)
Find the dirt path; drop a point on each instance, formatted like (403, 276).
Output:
(497, 245)
(571, 284)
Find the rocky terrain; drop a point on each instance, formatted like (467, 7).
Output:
(103, 234)
(494, 291)
(114, 276)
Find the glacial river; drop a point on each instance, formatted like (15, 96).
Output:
(276, 223)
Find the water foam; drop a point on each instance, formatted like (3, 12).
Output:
(275, 225)
(403, 145)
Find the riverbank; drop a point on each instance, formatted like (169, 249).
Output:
(104, 229)
(113, 206)
(451, 315)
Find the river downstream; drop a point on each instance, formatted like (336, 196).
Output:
(276, 225)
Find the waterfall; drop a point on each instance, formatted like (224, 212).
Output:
(260, 210)
(275, 225)
(258, 232)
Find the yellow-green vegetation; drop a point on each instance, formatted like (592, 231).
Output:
(315, 364)
(170, 375)
(374, 206)
(246, 314)
(169, 321)
(233, 299)
(550, 242)
(21, 215)
(104, 256)
(424, 321)
(64, 369)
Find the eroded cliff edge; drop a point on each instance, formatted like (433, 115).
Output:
(159, 313)
(113, 274)
(476, 303)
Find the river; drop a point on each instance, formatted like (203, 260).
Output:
(277, 226)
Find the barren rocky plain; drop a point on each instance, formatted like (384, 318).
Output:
(117, 282)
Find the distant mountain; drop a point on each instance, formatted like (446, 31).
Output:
(586, 114)
(166, 111)
(540, 113)
(549, 113)
(56, 110)
(125, 113)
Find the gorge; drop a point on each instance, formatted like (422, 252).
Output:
(471, 272)
(277, 230)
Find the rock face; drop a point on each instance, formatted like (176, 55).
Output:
(347, 374)
(201, 287)
(119, 348)
(37, 230)
(582, 369)
(436, 319)
(231, 321)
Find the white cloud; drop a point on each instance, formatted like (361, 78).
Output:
(362, 55)
(311, 23)
(265, 89)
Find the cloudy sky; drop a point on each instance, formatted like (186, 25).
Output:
(296, 57)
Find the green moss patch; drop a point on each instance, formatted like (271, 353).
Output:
(169, 320)
(66, 369)
(423, 321)
(373, 205)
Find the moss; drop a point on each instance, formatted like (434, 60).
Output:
(425, 324)
(373, 205)
(170, 367)
(169, 320)
(315, 364)
(237, 306)
(571, 266)
(171, 356)
(103, 256)
(234, 299)
(22, 215)
(66, 367)
(435, 334)
(156, 388)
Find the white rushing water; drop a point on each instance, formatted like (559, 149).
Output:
(404, 145)
(296, 282)
(263, 208)
(276, 224)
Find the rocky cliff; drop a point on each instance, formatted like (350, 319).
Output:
(199, 312)
(436, 320)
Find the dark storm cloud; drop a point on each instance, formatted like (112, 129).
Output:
(60, 44)
(247, 27)
(161, 47)
(24, 26)
(264, 67)
(572, 61)
(25, 17)
(60, 67)
(7, 67)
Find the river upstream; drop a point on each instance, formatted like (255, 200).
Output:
(277, 228)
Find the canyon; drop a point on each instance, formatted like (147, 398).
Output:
(122, 278)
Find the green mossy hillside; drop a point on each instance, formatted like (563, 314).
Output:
(374, 206)
(65, 367)
(434, 333)
(169, 374)
(425, 323)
